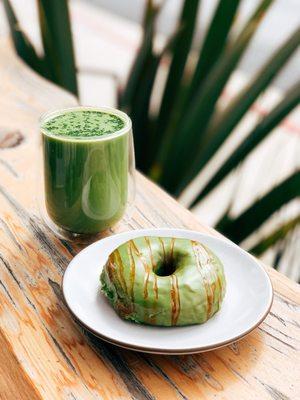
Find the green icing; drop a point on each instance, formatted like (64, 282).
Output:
(164, 281)
(84, 123)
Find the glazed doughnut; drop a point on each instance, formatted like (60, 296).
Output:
(164, 281)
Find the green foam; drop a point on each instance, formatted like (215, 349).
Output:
(84, 123)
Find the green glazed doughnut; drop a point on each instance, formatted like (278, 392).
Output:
(164, 281)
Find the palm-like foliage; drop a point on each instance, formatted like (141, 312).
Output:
(58, 62)
(275, 236)
(188, 130)
(174, 145)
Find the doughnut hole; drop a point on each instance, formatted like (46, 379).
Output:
(165, 267)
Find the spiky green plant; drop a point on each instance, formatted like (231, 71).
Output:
(57, 63)
(275, 236)
(177, 142)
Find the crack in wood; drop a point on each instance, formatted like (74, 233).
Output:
(7, 293)
(278, 318)
(291, 305)
(187, 364)
(279, 351)
(10, 234)
(160, 371)
(10, 271)
(275, 337)
(274, 393)
(208, 377)
(145, 218)
(129, 223)
(71, 395)
(48, 246)
(286, 321)
(9, 168)
(56, 289)
(197, 366)
(234, 347)
(30, 302)
(294, 323)
(280, 332)
(68, 247)
(137, 224)
(60, 349)
(235, 372)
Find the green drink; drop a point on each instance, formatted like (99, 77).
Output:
(86, 167)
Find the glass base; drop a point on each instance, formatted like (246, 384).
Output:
(74, 237)
(85, 238)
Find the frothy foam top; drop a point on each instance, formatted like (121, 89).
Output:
(84, 123)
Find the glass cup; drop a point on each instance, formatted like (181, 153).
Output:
(88, 180)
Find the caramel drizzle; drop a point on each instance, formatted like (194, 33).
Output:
(211, 271)
(117, 260)
(203, 260)
(215, 276)
(217, 284)
(175, 299)
(132, 271)
(153, 265)
(221, 291)
(146, 267)
(222, 286)
(163, 248)
(209, 268)
(113, 271)
(172, 247)
(155, 287)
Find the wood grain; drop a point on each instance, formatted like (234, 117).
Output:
(45, 354)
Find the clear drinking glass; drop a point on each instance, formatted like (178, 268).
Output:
(88, 181)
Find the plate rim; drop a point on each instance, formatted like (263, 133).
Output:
(166, 351)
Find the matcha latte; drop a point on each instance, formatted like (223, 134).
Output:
(86, 166)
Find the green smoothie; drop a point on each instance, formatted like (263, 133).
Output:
(85, 168)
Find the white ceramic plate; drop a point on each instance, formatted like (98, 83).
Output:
(247, 301)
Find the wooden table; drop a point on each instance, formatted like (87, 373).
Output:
(44, 354)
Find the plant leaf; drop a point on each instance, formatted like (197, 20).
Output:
(259, 132)
(140, 111)
(218, 132)
(180, 54)
(214, 42)
(57, 41)
(274, 237)
(140, 106)
(145, 52)
(150, 14)
(189, 137)
(237, 229)
(22, 44)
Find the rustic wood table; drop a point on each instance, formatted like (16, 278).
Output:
(44, 354)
